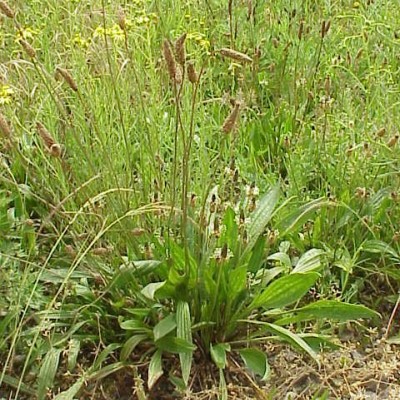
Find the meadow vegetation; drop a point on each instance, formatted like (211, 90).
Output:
(185, 182)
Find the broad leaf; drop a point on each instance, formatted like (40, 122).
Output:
(73, 351)
(150, 290)
(218, 354)
(71, 393)
(309, 261)
(285, 291)
(261, 217)
(377, 246)
(334, 309)
(130, 345)
(155, 369)
(256, 361)
(47, 372)
(174, 344)
(184, 331)
(165, 326)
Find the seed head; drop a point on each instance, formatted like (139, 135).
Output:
(5, 127)
(301, 28)
(169, 59)
(180, 49)
(393, 140)
(122, 19)
(6, 10)
(192, 75)
(28, 48)
(236, 55)
(52, 146)
(230, 121)
(381, 132)
(68, 78)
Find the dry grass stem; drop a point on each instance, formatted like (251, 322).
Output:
(170, 60)
(6, 10)
(68, 78)
(191, 71)
(5, 127)
(28, 48)
(230, 122)
(236, 55)
(180, 49)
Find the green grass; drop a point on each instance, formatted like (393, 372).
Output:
(154, 232)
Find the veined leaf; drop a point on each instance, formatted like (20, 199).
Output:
(165, 326)
(174, 344)
(285, 290)
(218, 354)
(150, 290)
(309, 261)
(301, 215)
(283, 258)
(256, 361)
(291, 338)
(73, 351)
(334, 309)
(47, 372)
(261, 217)
(155, 369)
(130, 345)
(72, 391)
(184, 331)
(377, 246)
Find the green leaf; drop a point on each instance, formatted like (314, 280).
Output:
(334, 309)
(73, 351)
(165, 326)
(184, 331)
(130, 345)
(283, 258)
(174, 344)
(47, 372)
(155, 369)
(285, 291)
(291, 338)
(107, 370)
(256, 361)
(393, 340)
(134, 325)
(218, 354)
(261, 217)
(298, 217)
(105, 353)
(237, 281)
(16, 383)
(72, 391)
(377, 246)
(309, 261)
(150, 290)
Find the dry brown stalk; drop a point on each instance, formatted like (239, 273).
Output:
(180, 49)
(6, 10)
(169, 59)
(235, 55)
(5, 127)
(192, 75)
(68, 78)
(230, 121)
(28, 48)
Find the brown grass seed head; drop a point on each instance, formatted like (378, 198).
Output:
(393, 140)
(180, 49)
(6, 10)
(169, 59)
(52, 146)
(5, 127)
(230, 121)
(67, 78)
(28, 48)
(191, 71)
(236, 55)
(121, 19)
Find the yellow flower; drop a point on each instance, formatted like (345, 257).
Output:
(6, 93)
(80, 41)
